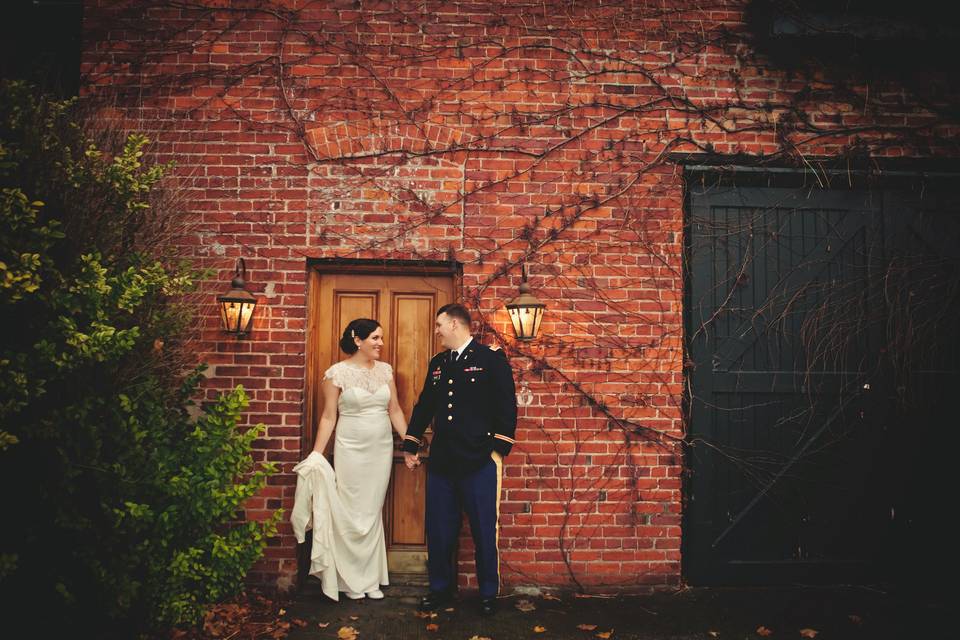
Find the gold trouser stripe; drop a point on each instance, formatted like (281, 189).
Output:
(498, 459)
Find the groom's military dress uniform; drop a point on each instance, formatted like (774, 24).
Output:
(471, 402)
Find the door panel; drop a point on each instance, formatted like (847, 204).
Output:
(412, 353)
(406, 307)
(778, 463)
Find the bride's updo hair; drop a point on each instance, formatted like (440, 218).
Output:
(358, 328)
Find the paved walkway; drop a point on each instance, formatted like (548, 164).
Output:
(796, 612)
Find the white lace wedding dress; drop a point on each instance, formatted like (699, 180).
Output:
(349, 552)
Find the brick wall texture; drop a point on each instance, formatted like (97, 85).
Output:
(488, 134)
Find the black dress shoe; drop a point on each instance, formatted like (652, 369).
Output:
(435, 600)
(488, 606)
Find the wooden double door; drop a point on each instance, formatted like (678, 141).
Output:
(406, 306)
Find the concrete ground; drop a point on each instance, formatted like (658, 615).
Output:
(726, 613)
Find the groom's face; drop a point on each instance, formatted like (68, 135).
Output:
(446, 330)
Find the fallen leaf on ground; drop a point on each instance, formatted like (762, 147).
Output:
(248, 616)
(763, 631)
(539, 629)
(808, 633)
(432, 627)
(298, 622)
(525, 605)
(347, 633)
(605, 634)
(586, 627)
(282, 611)
(283, 628)
(354, 618)
(855, 619)
(323, 625)
(425, 614)
(713, 634)
(449, 609)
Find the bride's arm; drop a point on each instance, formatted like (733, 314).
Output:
(396, 413)
(328, 419)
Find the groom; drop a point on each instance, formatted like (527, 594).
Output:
(470, 399)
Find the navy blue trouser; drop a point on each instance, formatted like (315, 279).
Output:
(477, 494)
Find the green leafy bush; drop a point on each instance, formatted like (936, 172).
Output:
(124, 510)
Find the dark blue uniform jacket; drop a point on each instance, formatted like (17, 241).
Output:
(472, 405)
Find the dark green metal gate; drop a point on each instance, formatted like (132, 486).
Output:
(821, 351)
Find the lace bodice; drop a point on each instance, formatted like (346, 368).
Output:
(347, 376)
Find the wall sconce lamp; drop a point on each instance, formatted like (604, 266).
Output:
(526, 311)
(237, 305)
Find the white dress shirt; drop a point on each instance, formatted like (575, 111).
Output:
(459, 351)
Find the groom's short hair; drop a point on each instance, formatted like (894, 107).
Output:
(458, 311)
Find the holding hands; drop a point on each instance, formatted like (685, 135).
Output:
(412, 460)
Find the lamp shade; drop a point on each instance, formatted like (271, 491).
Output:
(526, 312)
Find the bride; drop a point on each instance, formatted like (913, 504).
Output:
(345, 507)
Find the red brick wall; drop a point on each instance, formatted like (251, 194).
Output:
(485, 133)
